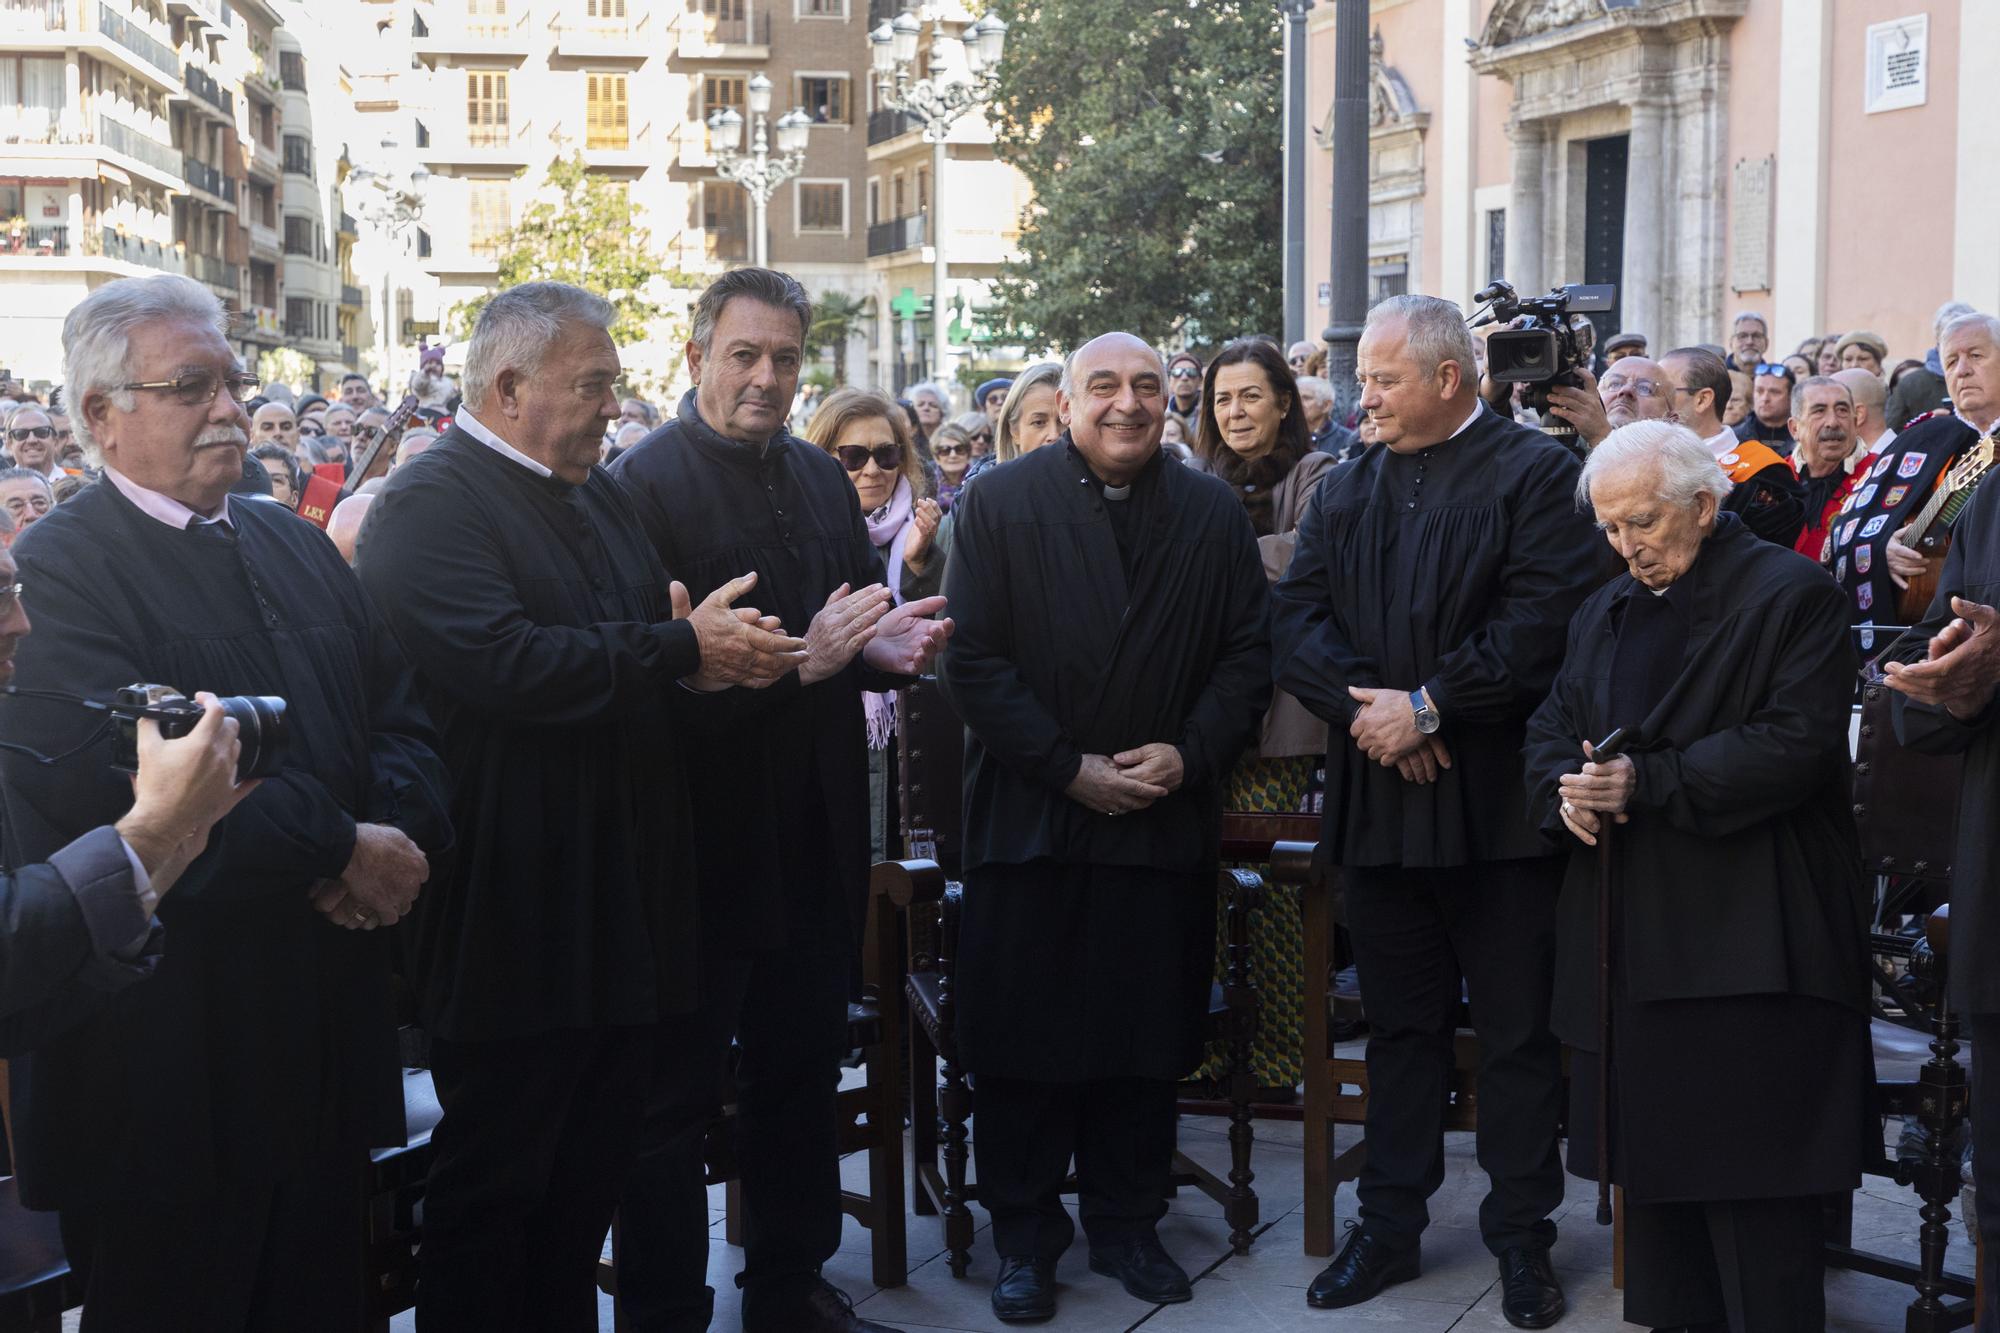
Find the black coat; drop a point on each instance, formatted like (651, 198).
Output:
(1054, 657)
(267, 1035)
(1739, 872)
(1772, 504)
(540, 629)
(1896, 487)
(781, 811)
(1456, 569)
(1972, 571)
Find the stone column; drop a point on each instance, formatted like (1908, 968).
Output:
(1641, 306)
(1525, 213)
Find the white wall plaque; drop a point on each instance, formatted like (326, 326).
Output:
(1750, 225)
(1898, 73)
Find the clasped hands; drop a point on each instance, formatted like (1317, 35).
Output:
(1596, 790)
(381, 881)
(1130, 780)
(1385, 729)
(1962, 666)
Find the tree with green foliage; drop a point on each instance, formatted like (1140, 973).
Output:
(1151, 133)
(580, 230)
(837, 317)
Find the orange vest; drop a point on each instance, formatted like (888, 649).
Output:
(1747, 459)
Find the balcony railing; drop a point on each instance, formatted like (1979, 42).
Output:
(886, 125)
(351, 295)
(350, 355)
(210, 269)
(202, 85)
(749, 30)
(33, 15)
(50, 239)
(132, 250)
(298, 162)
(124, 139)
(896, 235)
(202, 176)
(136, 40)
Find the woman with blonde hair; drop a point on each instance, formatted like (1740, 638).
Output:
(870, 437)
(1028, 418)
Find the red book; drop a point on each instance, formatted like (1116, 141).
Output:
(322, 493)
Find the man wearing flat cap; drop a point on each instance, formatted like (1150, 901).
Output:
(1623, 345)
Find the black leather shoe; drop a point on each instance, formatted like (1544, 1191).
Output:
(1025, 1291)
(1364, 1266)
(818, 1308)
(1147, 1270)
(1530, 1296)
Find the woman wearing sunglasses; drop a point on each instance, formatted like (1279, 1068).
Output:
(870, 437)
(952, 450)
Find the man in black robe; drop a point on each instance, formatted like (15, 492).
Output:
(1111, 660)
(204, 1136)
(781, 819)
(1423, 617)
(563, 672)
(1738, 905)
(1948, 709)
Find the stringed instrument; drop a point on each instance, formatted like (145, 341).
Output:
(322, 492)
(1931, 529)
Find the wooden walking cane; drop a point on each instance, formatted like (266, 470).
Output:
(1607, 749)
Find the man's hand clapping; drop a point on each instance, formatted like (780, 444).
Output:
(739, 645)
(843, 627)
(907, 639)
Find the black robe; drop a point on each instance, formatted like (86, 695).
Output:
(1972, 571)
(1456, 569)
(541, 632)
(1741, 905)
(1897, 485)
(267, 1035)
(1069, 966)
(1772, 504)
(781, 810)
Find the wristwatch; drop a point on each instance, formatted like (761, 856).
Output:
(1428, 720)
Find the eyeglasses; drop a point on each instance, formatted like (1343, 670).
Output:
(200, 388)
(1639, 388)
(1184, 373)
(943, 451)
(982, 437)
(32, 433)
(10, 597)
(853, 457)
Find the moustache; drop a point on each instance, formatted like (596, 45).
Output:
(222, 435)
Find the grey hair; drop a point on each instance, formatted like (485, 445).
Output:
(1066, 385)
(1317, 387)
(765, 285)
(25, 474)
(934, 389)
(1434, 332)
(1748, 315)
(971, 421)
(97, 338)
(1959, 323)
(1687, 467)
(1816, 382)
(518, 327)
(1946, 313)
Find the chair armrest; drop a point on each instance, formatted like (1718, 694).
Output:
(1937, 932)
(1292, 863)
(906, 882)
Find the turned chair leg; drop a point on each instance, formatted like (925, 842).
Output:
(1240, 996)
(955, 1107)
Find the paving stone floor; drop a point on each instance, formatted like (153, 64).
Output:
(1265, 1290)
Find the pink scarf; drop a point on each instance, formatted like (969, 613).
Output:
(886, 528)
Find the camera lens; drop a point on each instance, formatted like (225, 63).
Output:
(262, 730)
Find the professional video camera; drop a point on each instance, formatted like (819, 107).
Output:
(261, 726)
(1543, 350)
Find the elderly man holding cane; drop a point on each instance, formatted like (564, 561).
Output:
(1736, 929)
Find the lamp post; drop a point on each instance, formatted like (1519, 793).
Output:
(758, 171)
(1294, 12)
(392, 207)
(946, 93)
(1350, 201)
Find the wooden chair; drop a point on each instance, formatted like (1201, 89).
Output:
(940, 1186)
(392, 1205)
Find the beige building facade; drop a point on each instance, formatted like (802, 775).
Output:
(1823, 162)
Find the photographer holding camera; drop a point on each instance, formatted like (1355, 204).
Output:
(204, 1136)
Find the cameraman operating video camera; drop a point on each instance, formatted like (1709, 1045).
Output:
(81, 922)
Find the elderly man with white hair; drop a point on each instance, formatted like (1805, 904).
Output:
(1738, 906)
(204, 1138)
(1328, 435)
(563, 670)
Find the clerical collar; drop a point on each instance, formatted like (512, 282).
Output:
(164, 508)
(1118, 492)
(472, 426)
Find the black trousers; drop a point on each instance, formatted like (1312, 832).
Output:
(1756, 1263)
(1121, 1133)
(1416, 933)
(787, 1011)
(1986, 1154)
(257, 1256)
(536, 1137)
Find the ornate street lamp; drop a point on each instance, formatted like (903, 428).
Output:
(759, 171)
(952, 88)
(392, 206)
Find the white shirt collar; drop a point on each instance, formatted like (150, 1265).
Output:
(1974, 429)
(472, 426)
(1879, 443)
(164, 508)
(1722, 442)
(1469, 422)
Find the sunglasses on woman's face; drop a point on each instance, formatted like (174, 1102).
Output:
(853, 457)
(951, 450)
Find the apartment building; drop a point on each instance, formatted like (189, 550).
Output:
(512, 84)
(320, 308)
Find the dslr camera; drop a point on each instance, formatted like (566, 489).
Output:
(1543, 351)
(261, 728)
